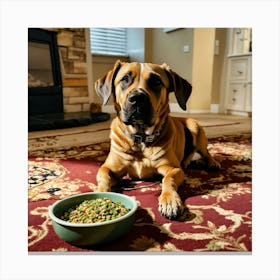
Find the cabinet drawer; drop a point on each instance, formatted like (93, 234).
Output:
(238, 69)
(236, 97)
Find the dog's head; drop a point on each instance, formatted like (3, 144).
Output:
(140, 91)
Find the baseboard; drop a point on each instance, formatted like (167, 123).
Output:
(239, 113)
(199, 111)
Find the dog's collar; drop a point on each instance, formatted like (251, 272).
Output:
(139, 138)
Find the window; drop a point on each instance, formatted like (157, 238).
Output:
(108, 41)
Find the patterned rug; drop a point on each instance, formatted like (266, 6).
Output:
(219, 203)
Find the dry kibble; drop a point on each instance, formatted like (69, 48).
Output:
(95, 211)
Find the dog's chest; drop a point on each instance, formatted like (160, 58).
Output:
(147, 155)
(142, 164)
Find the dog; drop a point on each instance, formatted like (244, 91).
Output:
(145, 139)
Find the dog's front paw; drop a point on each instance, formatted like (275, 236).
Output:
(170, 204)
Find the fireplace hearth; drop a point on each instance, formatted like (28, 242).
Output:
(64, 120)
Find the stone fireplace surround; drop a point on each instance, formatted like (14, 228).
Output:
(73, 64)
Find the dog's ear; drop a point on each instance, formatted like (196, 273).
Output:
(181, 87)
(105, 85)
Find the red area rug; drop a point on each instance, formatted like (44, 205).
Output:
(219, 202)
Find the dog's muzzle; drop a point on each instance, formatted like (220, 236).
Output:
(137, 109)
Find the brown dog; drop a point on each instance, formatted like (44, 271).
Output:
(145, 140)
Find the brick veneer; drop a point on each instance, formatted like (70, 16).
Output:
(73, 61)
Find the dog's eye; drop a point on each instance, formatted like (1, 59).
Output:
(126, 80)
(155, 81)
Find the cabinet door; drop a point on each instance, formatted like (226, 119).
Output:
(238, 69)
(236, 96)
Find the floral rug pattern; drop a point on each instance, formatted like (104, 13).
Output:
(218, 215)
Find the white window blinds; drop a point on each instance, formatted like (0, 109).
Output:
(108, 40)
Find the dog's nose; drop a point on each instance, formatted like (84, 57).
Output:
(138, 97)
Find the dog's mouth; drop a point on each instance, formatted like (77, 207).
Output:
(137, 110)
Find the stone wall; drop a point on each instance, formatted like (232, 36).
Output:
(73, 62)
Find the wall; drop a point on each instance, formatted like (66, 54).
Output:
(168, 47)
(203, 58)
(218, 65)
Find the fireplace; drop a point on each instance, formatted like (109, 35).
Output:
(53, 104)
(44, 77)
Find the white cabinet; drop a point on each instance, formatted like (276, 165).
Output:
(239, 84)
(240, 40)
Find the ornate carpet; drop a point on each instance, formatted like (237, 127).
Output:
(219, 203)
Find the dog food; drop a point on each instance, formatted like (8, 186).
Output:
(95, 211)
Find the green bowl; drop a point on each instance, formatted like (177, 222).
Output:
(85, 235)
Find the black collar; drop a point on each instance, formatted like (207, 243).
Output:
(139, 138)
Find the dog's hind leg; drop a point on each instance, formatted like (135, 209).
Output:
(196, 141)
(189, 148)
(201, 147)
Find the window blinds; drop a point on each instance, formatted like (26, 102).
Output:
(108, 40)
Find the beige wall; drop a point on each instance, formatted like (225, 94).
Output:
(168, 47)
(221, 36)
(203, 59)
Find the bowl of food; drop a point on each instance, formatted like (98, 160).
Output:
(93, 218)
